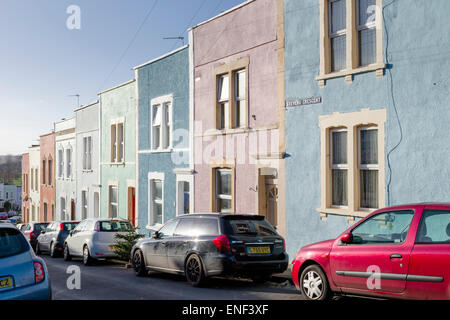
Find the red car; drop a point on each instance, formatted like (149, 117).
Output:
(396, 252)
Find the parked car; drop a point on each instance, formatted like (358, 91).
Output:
(23, 275)
(32, 231)
(11, 213)
(396, 252)
(52, 238)
(94, 239)
(204, 245)
(3, 216)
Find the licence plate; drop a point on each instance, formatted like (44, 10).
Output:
(6, 283)
(112, 248)
(258, 250)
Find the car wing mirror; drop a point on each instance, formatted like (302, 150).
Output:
(155, 235)
(347, 238)
(71, 233)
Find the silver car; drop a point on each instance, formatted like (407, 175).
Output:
(94, 239)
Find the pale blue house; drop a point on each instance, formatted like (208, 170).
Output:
(374, 133)
(164, 169)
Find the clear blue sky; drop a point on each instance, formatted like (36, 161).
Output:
(42, 61)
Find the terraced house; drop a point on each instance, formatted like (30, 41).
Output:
(365, 103)
(65, 151)
(164, 171)
(238, 97)
(35, 187)
(47, 194)
(25, 187)
(88, 160)
(118, 151)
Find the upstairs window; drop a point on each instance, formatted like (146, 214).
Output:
(223, 99)
(87, 153)
(367, 33)
(117, 143)
(240, 84)
(50, 170)
(68, 163)
(44, 167)
(161, 124)
(337, 33)
(60, 163)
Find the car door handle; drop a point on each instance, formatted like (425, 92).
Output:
(396, 256)
(163, 242)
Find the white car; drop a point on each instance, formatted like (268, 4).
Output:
(94, 239)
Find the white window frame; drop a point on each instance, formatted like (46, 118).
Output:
(240, 99)
(114, 157)
(375, 167)
(111, 204)
(60, 163)
(223, 196)
(84, 203)
(223, 103)
(360, 27)
(155, 176)
(162, 102)
(333, 35)
(87, 153)
(337, 166)
(68, 164)
(182, 178)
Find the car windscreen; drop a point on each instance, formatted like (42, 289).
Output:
(258, 227)
(12, 242)
(69, 226)
(115, 226)
(40, 226)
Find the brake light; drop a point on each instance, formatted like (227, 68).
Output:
(222, 243)
(97, 226)
(61, 227)
(284, 245)
(39, 274)
(32, 235)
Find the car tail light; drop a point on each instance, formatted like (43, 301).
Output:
(32, 235)
(222, 243)
(61, 227)
(284, 245)
(39, 274)
(97, 226)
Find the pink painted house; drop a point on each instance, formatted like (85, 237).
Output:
(238, 111)
(47, 192)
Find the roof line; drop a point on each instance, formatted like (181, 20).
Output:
(223, 13)
(116, 87)
(161, 57)
(83, 107)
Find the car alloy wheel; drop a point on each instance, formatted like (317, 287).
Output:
(314, 284)
(194, 271)
(52, 250)
(86, 256)
(138, 264)
(67, 256)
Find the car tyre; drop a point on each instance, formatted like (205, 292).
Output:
(87, 260)
(67, 256)
(37, 249)
(314, 284)
(194, 271)
(139, 264)
(52, 250)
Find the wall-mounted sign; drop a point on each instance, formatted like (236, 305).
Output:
(303, 101)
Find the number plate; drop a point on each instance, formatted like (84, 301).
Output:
(6, 283)
(112, 248)
(258, 250)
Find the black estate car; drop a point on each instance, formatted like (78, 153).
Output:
(203, 245)
(52, 238)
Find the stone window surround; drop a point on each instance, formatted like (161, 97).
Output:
(222, 164)
(352, 55)
(352, 121)
(230, 69)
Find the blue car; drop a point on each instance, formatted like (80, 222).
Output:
(23, 275)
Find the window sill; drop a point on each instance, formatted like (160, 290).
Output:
(350, 214)
(87, 171)
(160, 150)
(116, 164)
(348, 74)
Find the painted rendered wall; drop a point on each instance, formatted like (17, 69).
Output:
(48, 189)
(166, 76)
(65, 185)
(253, 36)
(25, 185)
(88, 123)
(35, 197)
(10, 193)
(116, 103)
(418, 54)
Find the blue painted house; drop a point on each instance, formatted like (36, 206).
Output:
(373, 133)
(164, 170)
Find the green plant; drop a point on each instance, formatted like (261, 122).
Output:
(125, 242)
(7, 206)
